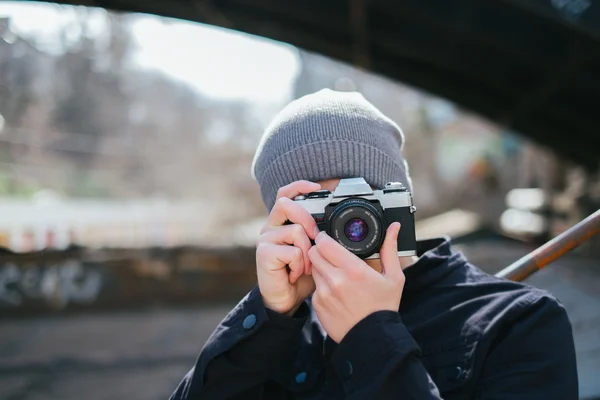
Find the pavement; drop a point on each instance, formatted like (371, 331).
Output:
(140, 354)
(144, 353)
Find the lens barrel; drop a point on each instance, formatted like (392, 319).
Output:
(357, 225)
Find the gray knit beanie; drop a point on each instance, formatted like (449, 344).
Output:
(328, 135)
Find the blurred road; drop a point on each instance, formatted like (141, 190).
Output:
(128, 355)
(142, 354)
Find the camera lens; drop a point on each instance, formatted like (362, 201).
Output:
(356, 229)
(357, 224)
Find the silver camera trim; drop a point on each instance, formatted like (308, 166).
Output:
(358, 187)
(349, 187)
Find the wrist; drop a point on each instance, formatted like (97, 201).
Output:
(300, 313)
(287, 311)
(293, 311)
(266, 338)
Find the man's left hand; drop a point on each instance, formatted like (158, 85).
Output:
(347, 289)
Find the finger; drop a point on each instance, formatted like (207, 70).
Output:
(335, 253)
(330, 273)
(320, 281)
(389, 252)
(288, 210)
(290, 235)
(295, 263)
(296, 188)
(280, 257)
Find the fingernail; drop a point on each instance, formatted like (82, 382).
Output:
(319, 237)
(316, 231)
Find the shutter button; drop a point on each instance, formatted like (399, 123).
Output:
(249, 321)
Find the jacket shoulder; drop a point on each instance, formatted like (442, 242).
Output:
(516, 299)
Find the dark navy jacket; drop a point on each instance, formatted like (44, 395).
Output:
(459, 334)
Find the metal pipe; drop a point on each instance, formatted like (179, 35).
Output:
(552, 250)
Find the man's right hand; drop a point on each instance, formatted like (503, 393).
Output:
(282, 262)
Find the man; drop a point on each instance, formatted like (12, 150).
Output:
(324, 324)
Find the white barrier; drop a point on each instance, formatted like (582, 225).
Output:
(31, 225)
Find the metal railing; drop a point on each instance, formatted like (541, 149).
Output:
(553, 249)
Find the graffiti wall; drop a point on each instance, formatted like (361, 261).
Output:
(56, 285)
(62, 281)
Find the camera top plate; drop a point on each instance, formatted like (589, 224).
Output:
(352, 187)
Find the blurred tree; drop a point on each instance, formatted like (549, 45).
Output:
(90, 102)
(17, 73)
(97, 125)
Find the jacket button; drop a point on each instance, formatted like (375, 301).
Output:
(249, 321)
(348, 369)
(301, 377)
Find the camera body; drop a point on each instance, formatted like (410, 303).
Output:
(357, 216)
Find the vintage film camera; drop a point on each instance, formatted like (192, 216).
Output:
(357, 216)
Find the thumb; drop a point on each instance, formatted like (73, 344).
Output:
(389, 253)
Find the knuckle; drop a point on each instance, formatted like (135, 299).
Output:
(261, 251)
(284, 191)
(355, 274)
(325, 295)
(281, 203)
(401, 278)
(336, 284)
(297, 252)
(294, 208)
(305, 247)
(297, 230)
(263, 237)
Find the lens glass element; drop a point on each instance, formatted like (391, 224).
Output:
(356, 229)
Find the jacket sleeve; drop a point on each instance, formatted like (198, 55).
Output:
(243, 352)
(534, 359)
(388, 367)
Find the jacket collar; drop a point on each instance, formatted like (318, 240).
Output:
(436, 260)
